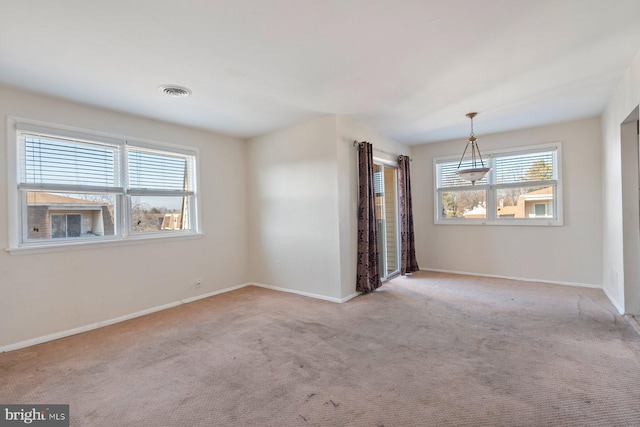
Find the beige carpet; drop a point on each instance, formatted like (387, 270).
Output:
(430, 350)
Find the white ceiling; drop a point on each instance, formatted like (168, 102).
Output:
(409, 69)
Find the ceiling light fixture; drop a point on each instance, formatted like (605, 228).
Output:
(473, 173)
(175, 91)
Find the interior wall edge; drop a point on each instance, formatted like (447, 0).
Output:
(306, 294)
(613, 301)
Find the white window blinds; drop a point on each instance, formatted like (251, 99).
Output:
(56, 163)
(528, 167)
(155, 172)
(448, 177)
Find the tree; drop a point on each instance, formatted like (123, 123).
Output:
(143, 218)
(539, 171)
(456, 203)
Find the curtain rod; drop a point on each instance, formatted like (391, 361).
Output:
(358, 144)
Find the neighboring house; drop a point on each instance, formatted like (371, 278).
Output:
(172, 221)
(52, 216)
(536, 204)
(508, 211)
(478, 212)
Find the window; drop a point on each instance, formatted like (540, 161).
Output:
(385, 182)
(160, 184)
(523, 187)
(65, 225)
(540, 210)
(72, 187)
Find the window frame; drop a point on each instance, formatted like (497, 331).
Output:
(545, 208)
(18, 239)
(491, 188)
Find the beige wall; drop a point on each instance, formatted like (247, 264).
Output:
(303, 205)
(293, 209)
(620, 277)
(49, 293)
(570, 254)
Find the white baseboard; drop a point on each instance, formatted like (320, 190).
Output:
(522, 279)
(210, 294)
(348, 297)
(613, 301)
(86, 328)
(633, 321)
(307, 294)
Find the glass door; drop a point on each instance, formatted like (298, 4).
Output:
(386, 190)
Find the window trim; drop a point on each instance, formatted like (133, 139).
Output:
(18, 244)
(491, 189)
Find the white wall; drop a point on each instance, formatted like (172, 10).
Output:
(570, 254)
(53, 292)
(293, 208)
(625, 296)
(302, 205)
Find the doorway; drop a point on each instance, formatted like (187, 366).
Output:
(386, 190)
(630, 161)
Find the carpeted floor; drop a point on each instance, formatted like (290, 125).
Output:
(430, 350)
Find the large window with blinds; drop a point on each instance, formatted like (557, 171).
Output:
(523, 187)
(73, 187)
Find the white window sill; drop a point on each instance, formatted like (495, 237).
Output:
(38, 248)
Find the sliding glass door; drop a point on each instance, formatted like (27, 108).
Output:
(386, 189)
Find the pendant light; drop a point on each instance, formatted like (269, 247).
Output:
(477, 171)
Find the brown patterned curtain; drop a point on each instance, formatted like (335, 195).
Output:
(408, 262)
(368, 271)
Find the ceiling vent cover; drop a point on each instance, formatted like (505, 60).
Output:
(175, 91)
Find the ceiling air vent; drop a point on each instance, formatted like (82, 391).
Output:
(175, 91)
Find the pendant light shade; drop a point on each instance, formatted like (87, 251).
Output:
(477, 171)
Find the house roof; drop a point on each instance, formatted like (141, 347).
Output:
(38, 198)
(545, 190)
(409, 70)
(477, 212)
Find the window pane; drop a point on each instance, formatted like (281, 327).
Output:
(73, 225)
(58, 226)
(525, 202)
(464, 204)
(524, 168)
(159, 214)
(63, 215)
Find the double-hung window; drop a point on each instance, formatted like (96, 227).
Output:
(523, 187)
(75, 187)
(160, 189)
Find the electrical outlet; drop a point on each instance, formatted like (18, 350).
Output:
(277, 264)
(198, 283)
